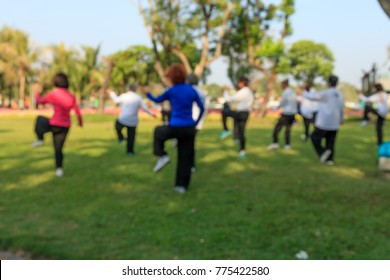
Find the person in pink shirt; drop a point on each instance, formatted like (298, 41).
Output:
(63, 101)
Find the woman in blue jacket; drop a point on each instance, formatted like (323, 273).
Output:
(181, 126)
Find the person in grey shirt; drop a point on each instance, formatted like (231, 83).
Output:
(330, 116)
(289, 105)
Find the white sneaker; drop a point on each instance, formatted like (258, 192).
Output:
(325, 156)
(161, 162)
(364, 123)
(273, 146)
(193, 169)
(180, 189)
(38, 143)
(287, 147)
(59, 172)
(303, 137)
(330, 162)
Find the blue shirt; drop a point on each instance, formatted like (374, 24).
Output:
(181, 97)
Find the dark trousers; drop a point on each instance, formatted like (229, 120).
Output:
(306, 123)
(228, 113)
(330, 139)
(193, 159)
(241, 119)
(379, 123)
(185, 147)
(130, 135)
(165, 116)
(287, 121)
(43, 126)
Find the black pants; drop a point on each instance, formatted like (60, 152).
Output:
(379, 123)
(287, 121)
(228, 113)
(165, 116)
(241, 119)
(306, 123)
(43, 126)
(330, 139)
(130, 135)
(185, 146)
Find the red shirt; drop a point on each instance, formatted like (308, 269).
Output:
(63, 101)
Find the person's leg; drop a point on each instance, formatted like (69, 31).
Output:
(186, 152)
(279, 125)
(316, 138)
(59, 136)
(42, 126)
(161, 134)
(330, 137)
(241, 120)
(289, 122)
(379, 129)
(193, 158)
(307, 123)
(118, 129)
(131, 130)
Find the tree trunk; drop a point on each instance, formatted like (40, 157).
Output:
(269, 92)
(106, 82)
(385, 6)
(22, 88)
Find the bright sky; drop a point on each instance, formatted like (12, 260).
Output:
(357, 31)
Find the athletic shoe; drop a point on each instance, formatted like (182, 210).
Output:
(364, 123)
(330, 162)
(121, 140)
(287, 147)
(130, 154)
(325, 156)
(161, 162)
(241, 154)
(193, 169)
(59, 172)
(273, 146)
(303, 137)
(180, 189)
(224, 134)
(38, 143)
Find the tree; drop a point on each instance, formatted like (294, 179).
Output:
(15, 60)
(309, 60)
(385, 4)
(133, 65)
(253, 38)
(174, 26)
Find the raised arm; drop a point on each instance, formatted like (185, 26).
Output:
(159, 99)
(115, 97)
(146, 109)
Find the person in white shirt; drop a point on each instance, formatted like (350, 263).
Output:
(289, 106)
(330, 116)
(244, 99)
(306, 109)
(376, 104)
(130, 103)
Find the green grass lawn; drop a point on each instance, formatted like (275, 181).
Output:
(268, 206)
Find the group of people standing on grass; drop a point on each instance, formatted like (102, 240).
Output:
(187, 113)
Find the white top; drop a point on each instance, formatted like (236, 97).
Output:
(196, 110)
(243, 97)
(130, 103)
(380, 101)
(289, 102)
(314, 105)
(305, 107)
(331, 108)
